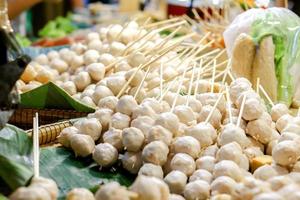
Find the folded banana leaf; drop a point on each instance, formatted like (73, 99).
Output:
(51, 96)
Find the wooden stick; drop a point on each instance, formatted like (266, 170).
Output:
(178, 91)
(214, 107)
(190, 85)
(206, 54)
(266, 95)
(231, 76)
(228, 103)
(196, 14)
(198, 77)
(241, 111)
(228, 67)
(146, 22)
(162, 22)
(213, 77)
(141, 84)
(36, 152)
(161, 79)
(257, 85)
(170, 85)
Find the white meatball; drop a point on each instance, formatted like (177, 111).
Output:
(252, 109)
(206, 163)
(277, 182)
(252, 152)
(69, 87)
(126, 105)
(185, 114)
(58, 64)
(169, 121)
(286, 153)
(52, 55)
(211, 151)
(268, 196)
(106, 59)
(136, 77)
(228, 168)
(201, 174)
(149, 169)
(231, 151)
(195, 105)
(92, 36)
(90, 56)
(265, 172)
(42, 59)
(115, 84)
(101, 92)
(117, 48)
(105, 154)
(283, 121)
(133, 139)
(113, 32)
(260, 131)
(82, 145)
(203, 132)
(96, 71)
(232, 133)
(80, 193)
(150, 188)
(104, 117)
(143, 110)
(109, 102)
(114, 137)
(237, 87)
(176, 197)
(95, 44)
(91, 127)
(132, 162)
(144, 123)
(279, 110)
(223, 185)
(82, 80)
(184, 163)
(155, 152)
(120, 121)
(136, 59)
(176, 181)
(159, 133)
(197, 190)
(113, 191)
(215, 119)
(186, 144)
(122, 66)
(65, 135)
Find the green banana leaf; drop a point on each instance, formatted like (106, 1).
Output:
(51, 96)
(69, 172)
(15, 157)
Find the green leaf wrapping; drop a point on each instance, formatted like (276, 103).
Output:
(52, 96)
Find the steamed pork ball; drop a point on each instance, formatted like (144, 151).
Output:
(132, 139)
(82, 80)
(132, 161)
(153, 103)
(143, 110)
(236, 89)
(144, 123)
(65, 135)
(155, 152)
(103, 33)
(82, 145)
(122, 66)
(44, 76)
(141, 94)
(88, 101)
(260, 131)
(90, 56)
(197, 190)
(215, 119)
(66, 55)
(114, 191)
(115, 84)
(211, 99)
(286, 153)
(92, 36)
(223, 185)
(96, 71)
(185, 114)
(126, 105)
(184, 163)
(42, 59)
(91, 127)
(159, 133)
(176, 197)
(176, 180)
(201, 174)
(230, 133)
(120, 121)
(101, 92)
(114, 137)
(150, 188)
(186, 144)
(169, 121)
(109, 102)
(117, 48)
(95, 45)
(206, 163)
(231, 151)
(79, 194)
(30, 193)
(283, 121)
(136, 59)
(149, 169)
(136, 76)
(114, 32)
(266, 172)
(104, 116)
(195, 105)
(78, 48)
(106, 59)
(228, 168)
(48, 184)
(69, 87)
(105, 154)
(58, 64)
(203, 132)
(279, 110)
(252, 109)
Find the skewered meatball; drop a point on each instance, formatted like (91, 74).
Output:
(155, 152)
(176, 181)
(133, 139)
(186, 144)
(184, 163)
(132, 162)
(197, 190)
(149, 169)
(105, 154)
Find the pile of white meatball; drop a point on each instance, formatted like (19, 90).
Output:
(178, 154)
(103, 63)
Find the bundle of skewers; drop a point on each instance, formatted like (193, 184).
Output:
(176, 117)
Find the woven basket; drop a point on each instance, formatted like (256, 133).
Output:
(23, 117)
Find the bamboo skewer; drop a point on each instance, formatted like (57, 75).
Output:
(36, 152)
(198, 78)
(162, 22)
(266, 95)
(190, 85)
(228, 103)
(214, 107)
(241, 111)
(142, 83)
(213, 77)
